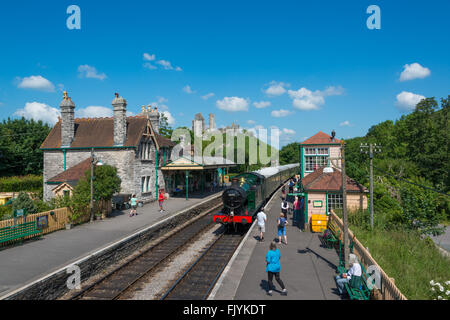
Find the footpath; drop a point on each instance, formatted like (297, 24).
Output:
(307, 268)
(24, 263)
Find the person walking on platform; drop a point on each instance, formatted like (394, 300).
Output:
(283, 193)
(161, 199)
(284, 207)
(273, 268)
(133, 202)
(282, 222)
(261, 218)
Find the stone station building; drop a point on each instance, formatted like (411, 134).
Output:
(131, 144)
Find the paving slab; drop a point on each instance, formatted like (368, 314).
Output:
(24, 263)
(307, 268)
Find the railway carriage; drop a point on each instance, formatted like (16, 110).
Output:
(249, 192)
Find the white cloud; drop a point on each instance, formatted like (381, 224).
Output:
(170, 118)
(93, 112)
(207, 96)
(251, 122)
(304, 99)
(288, 131)
(233, 104)
(39, 111)
(333, 91)
(188, 90)
(276, 88)
(165, 64)
(346, 123)
(149, 57)
(281, 113)
(414, 71)
(148, 65)
(164, 109)
(35, 83)
(86, 71)
(162, 99)
(261, 104)
(407, 101)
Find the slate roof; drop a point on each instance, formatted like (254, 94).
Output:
(320, 181)
(99, 132)
(321, 138)
(73, 174)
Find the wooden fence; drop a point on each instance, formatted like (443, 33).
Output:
(388, 290)
(56, 221)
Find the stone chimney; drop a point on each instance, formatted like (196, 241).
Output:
(212, 124)
(120, 120)
(154, 116)
(68, 120)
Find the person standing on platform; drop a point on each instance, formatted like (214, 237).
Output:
(296, 209)
(283, 193)
(282, 222)
(284, 207)
(261, 217)
(161, 199)
(133, 202)
(273, 268)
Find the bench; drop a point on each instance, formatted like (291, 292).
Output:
(357, 287)
(334, 238)
(341, 250)
(18, 231)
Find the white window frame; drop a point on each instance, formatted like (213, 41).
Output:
(318, 156)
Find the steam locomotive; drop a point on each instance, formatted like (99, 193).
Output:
(249, 192)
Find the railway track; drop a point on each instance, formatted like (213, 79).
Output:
(197, 282)
(114, 284)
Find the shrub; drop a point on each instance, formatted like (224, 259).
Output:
(24, 183)
(23, 201)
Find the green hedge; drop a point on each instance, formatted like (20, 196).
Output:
(24, 183)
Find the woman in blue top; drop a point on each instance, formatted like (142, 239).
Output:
(133, 201)
(273, 268)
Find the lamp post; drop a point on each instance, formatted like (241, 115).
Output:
(99, 163)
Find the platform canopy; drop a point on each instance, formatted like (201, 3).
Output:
(183, 163)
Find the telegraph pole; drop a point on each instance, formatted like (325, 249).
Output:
(373, 148)
(344, 205)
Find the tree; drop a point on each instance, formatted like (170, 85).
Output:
(106, 184)
(164, 129)
(23, 201)
(290, 153)
(20, 142)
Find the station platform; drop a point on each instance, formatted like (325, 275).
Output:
(307, 269)
(24, 263)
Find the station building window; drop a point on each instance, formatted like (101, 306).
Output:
(316, 158)
(335, 201)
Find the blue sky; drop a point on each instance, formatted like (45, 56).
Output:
(315, 65)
